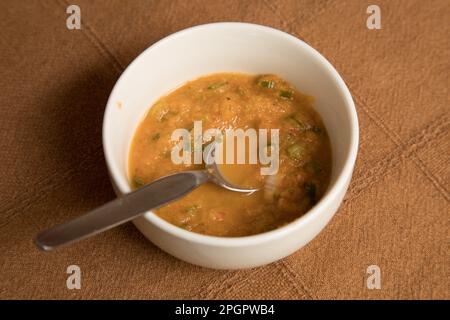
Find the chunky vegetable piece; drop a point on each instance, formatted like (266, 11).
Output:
(230, 100)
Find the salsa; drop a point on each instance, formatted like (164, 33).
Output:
(232, 100)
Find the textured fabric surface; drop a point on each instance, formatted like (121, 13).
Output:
(54, 86)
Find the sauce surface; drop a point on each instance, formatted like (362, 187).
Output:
(237, 101)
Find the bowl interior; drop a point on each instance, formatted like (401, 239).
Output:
(223, 47)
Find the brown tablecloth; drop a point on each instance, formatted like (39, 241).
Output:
(54, 86)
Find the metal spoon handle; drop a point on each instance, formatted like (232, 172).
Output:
(123, 209)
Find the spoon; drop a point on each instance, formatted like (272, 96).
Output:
(136, 203)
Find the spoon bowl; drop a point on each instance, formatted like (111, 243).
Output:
(216, 176)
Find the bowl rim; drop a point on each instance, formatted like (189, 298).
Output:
(312, 214)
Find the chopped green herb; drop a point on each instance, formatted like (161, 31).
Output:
(192, 209)
(310, 191)
(316, 129)
(217, 85)
(286, 94)
(267, 84)
(313, 167)
(296, 123)
(295, 151)
(138, 182)
(186, 226)
(156, 136)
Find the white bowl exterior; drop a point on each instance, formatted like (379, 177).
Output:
(231, 47)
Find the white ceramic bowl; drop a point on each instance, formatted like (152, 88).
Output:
(239, 47)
